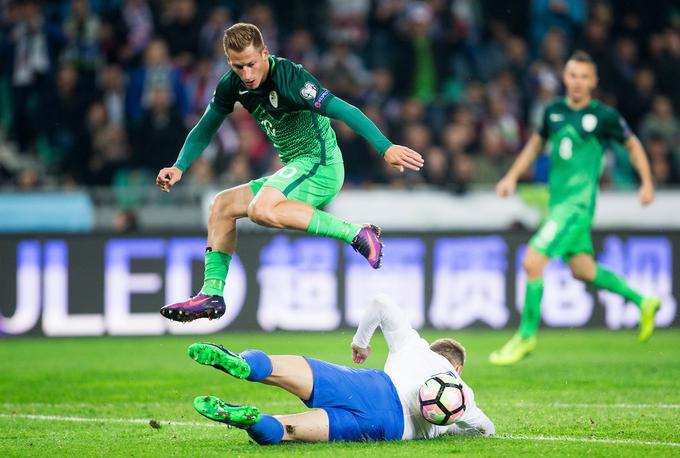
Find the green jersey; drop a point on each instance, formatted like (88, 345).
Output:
(577, 142)
(290, 107)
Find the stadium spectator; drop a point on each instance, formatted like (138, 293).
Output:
(262, 15)
(212, 30)
(161, 132)
(125, 221)
(493, 160)
(348, 21)
(199, 86)
(669, 65)
(82, 31)
(135, 27)
(112, 87)
(300, 48)
(421, 67)
(63, 114)
(660, 160)
(110, 152)
(565, 15)
(493, 55)
(156, 72)
(407, 62)
(661, 121)
(181, 29)
(638, 100)
(343, 71)
(30, 51)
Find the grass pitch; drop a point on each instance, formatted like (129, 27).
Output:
(599, 393)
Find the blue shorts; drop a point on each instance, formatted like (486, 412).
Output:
(362, 404)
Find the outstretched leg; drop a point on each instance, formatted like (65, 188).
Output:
(311, 426)
(291, 373)
(226, 208)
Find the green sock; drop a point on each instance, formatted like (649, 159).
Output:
(327, 225)
(605, 279)
(216, 268)
(531, 315)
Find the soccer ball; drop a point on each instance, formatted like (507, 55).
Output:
(441, 399)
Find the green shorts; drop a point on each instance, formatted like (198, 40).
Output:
(304, 181)
(565, 233)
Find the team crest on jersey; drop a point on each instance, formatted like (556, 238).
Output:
(274, 99)
(589, 122)
(308, 91)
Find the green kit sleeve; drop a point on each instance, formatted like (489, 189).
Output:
(358, 122)
(199, 138)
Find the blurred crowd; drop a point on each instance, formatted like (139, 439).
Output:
(103, 92)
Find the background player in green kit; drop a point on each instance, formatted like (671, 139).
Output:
(293, 110)
(577, 127)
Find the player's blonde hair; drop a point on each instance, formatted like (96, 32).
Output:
(583, 57)
(450, 349)
(241, 35)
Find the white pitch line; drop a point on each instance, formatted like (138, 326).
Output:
(212, 425)
(587, 439)
(144, 421)
(567, 405)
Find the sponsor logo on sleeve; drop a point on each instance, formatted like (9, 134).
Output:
(322, 96)
(308, 91)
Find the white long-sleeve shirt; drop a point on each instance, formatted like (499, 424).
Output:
(409, 364)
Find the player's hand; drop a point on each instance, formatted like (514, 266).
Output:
(646, 194)
(506, 187)
(359, 354)
(400, 156)
(167, 177)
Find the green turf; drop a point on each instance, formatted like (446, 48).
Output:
(153, 379)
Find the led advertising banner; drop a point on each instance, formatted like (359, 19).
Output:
(109, 285)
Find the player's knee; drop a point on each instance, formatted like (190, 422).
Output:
(581, 274)
(578, 275)
(532, 267)
(222, 206)
(262, 214)
(527, 265)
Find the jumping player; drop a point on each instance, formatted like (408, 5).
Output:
(578, 127)
(350, 404)
(293, 110)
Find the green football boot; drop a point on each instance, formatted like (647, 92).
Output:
(648, 309)
(513, 351)
(217, 410)
(219, 358)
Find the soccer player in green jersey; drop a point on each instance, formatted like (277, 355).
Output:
(577, 128)
(293, 110)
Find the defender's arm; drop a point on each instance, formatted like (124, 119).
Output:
(474, 423)
(384, 312)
